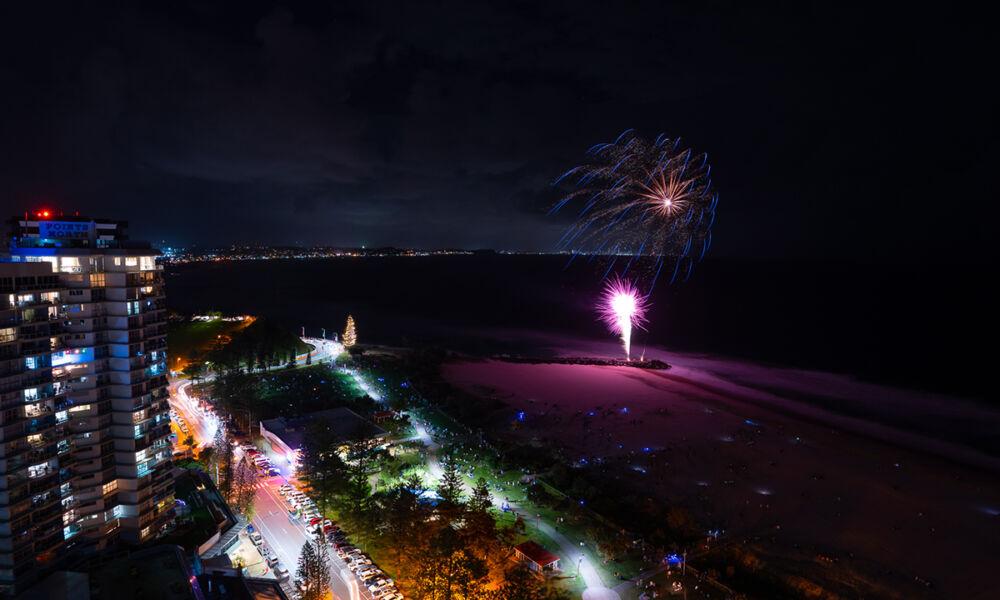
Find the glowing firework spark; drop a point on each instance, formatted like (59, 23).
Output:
(642, 198)
(623, 307)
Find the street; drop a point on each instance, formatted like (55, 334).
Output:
(286, 536)
(200, 426)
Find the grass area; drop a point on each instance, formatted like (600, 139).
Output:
(309, 389)
(693, 589)
(316, 382)
(190, 340)
(398, 429)
(400, 467)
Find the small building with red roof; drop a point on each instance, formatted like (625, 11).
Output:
(537, 559)
(385, 415)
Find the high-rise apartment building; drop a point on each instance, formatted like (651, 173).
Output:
(84, 450)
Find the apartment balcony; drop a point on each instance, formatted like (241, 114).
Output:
(66, 460)
(45, 501)
(154, 344)
(36, 378)
(51, 537)
(34, 334)
(156, 293)
(41, 484)
(13, 450)
(39, 410)
(36, 456)
(161, 478)
(68, 475)
(38, 301)
(40, 425)
(155, 315)
(52, 509)
(14, 483)
(137, 375)
(13, 511)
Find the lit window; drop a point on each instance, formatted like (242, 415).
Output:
(109, 487)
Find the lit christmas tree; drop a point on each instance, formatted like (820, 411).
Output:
(350, 336)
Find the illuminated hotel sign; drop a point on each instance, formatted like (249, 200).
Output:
(64, 230)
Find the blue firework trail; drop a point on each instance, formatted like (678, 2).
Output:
(651, 199)
(566, 174)
(611, 266)
(676, 266)
(624, 133)
(570, 260)
(659, 267)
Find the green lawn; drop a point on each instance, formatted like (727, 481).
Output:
(189, 340)
(291, 392)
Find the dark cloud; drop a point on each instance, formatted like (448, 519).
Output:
(833, 134)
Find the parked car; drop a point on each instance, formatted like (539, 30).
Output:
(256, 539)
(359, 565)
(280, 572)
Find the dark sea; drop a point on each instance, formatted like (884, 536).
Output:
(920, 328)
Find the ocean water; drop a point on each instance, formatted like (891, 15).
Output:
(911, 327)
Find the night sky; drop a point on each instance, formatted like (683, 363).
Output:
(835, 133)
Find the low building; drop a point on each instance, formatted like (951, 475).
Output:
(219, 586)
(286, 436)
(60, 585)
(155, 573)
(385, 415)
(536, 558)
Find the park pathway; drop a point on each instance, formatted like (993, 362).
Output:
(571, 552)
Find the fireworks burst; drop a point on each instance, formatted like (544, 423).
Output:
(642, 198)
(622, 307)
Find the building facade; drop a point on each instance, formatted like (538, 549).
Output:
(84, 431)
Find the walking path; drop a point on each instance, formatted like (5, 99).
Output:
(595, 590)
